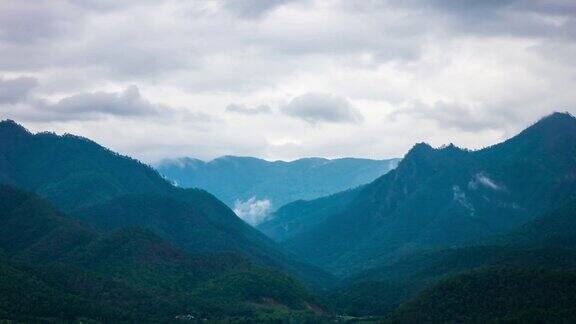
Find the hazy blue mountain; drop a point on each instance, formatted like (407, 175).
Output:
(446, 197)
(232, 178)
(110, 191)
(53, 267)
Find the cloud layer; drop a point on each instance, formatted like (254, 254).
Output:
(284, 79)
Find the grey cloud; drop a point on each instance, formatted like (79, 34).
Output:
(318, 107)
(555, 7)
(31, 21)
(96, 105)
(13, 91)
(252, 8)
(243, 109)
(462, 116)
(126, 103)
(523, 18)
(163, 48)
(110, 5)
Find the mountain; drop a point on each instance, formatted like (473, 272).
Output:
(380, 290)
(127, 275)
(446, 197)
(233, 178)
(108, 191)
(495, 296)
(301, 216)
(546, 243)
(556, 228)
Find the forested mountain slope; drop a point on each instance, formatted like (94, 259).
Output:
(447, 197)
(544, 244)
(129, 275)
(495, 296)
(301, 216)
(90, 182)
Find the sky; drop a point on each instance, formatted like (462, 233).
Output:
(283, 79)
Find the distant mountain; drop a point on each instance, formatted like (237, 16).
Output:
(444, 197)
(55, 267)
(233, 178)
(109, 191)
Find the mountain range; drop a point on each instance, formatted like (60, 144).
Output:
(532, 266)
(438, 198)
(54, 267)
(448, 236)
(108, 191)
(100, 217)
(246, 180)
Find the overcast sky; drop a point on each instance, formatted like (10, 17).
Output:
(282, 79)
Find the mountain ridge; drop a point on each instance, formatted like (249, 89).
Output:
(237, 179)
(449, 196)
(76, 175)
(125, 275)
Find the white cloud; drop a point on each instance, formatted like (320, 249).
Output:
(460, 197)
(485, 181)
(252, 211)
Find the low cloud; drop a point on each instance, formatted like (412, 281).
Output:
(316, 108)
(252, 211)
(126, 103)
(483, 180)
(17, 101)
(13, 91)
(459, 196)
(244, 110)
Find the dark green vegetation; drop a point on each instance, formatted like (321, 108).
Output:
(453, 236)
(382, 289)
(108, 191)
(301, 216)
(554, 229)
(131, 247)
(476, 284)
(495, 296)
(231, 178)
(450, 236)
(445, 197)
(53, 267)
